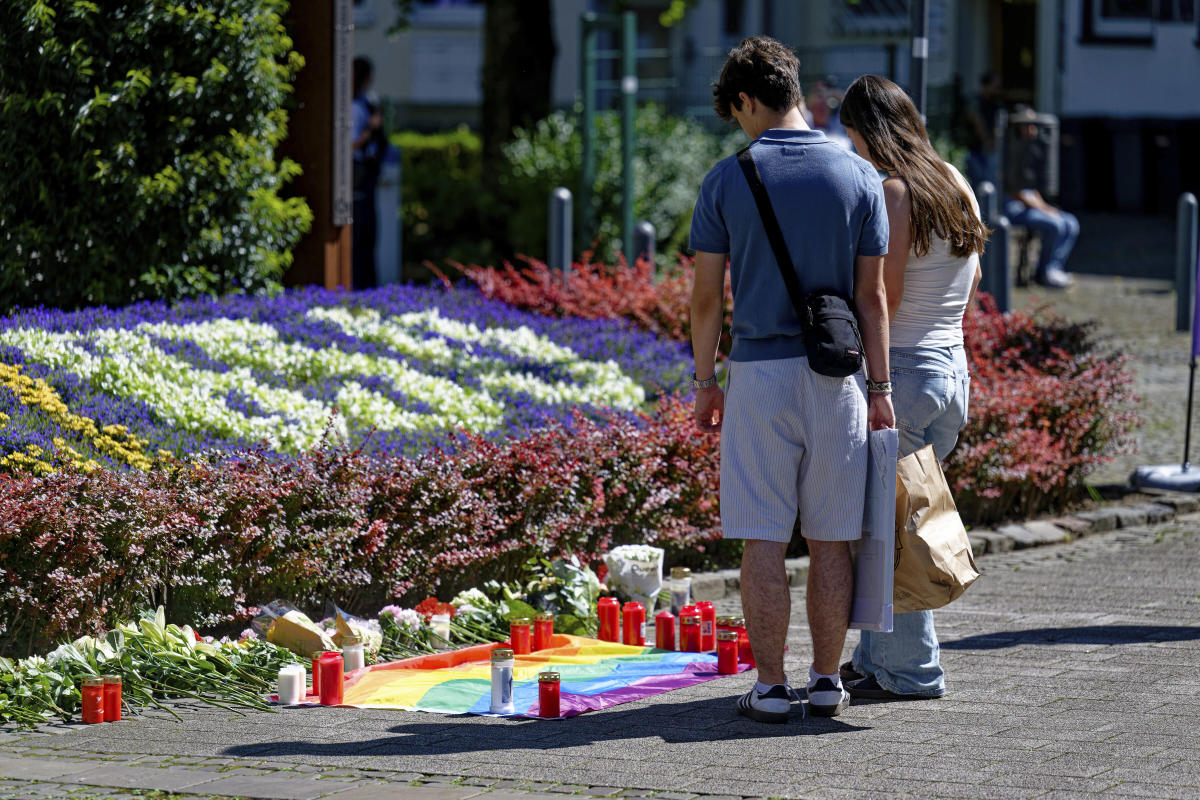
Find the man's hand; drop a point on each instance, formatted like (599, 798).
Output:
(710, 409)
(879, 412)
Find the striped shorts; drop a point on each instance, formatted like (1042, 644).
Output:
(793, 446)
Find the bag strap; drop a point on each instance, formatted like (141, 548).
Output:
(774, 234)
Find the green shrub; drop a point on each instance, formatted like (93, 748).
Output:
(138, 150)
(671, 157)
(444, 207)
(440, 195)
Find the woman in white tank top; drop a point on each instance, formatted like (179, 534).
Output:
(931, 273)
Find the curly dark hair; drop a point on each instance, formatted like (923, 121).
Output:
(764, 69)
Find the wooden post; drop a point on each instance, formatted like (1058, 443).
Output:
(319, 139)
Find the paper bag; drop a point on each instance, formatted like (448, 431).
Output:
(874, 553)
(934, 563)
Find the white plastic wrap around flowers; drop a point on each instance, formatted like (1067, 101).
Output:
(635, 571)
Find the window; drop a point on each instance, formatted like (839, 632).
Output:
(1120, 22)
(1175, 11)
(871, 18)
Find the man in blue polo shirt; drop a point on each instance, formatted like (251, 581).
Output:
(793, 442)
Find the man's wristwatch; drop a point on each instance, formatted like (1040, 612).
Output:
(703, 384)
(879, 387)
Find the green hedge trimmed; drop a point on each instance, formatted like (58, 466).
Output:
(138, 150)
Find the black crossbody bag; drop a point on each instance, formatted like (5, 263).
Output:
(831, 337)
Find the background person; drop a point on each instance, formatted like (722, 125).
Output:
(369, 145)
(931, 272)
(1025, 206)
(790, 437)
(981, 131)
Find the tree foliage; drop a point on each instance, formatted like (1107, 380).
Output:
(138, 150)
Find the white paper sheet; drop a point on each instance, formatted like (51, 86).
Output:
(875, 553)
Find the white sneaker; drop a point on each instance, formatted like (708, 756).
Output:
(771, 706)
(827, 699)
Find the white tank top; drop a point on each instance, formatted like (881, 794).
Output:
(936, 288)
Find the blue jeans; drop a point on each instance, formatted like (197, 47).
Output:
(931, 387)
(1057, 233)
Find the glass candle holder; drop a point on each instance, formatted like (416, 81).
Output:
(689, 633)
(502, 681)
(681, 588)
(543, 631)
(727, 652)
(353, 654)
(708, 626)
(332, 678)
(520, 632)
(549, 695)
(112, 698)
(93, 700)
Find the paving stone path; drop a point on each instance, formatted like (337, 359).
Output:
(1074, 671)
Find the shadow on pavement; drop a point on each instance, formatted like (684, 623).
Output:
(1090, 634)
(687, 722)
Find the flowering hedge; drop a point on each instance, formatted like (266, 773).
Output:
(404, 368)
(659, 304)
(212, 539)
(1047, 407)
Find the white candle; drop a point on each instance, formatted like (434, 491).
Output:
(291, 684)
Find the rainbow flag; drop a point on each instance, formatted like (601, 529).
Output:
(595, 675)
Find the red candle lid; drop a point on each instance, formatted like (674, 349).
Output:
(634, 606)
(664, 615)
(609, 601)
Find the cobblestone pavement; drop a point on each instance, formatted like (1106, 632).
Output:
(1074, 671)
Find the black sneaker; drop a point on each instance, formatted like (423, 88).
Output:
(771, 706)
(827, 699)
(849, 673)
(869, 689)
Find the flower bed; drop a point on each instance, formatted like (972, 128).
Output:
(405, 368)
(211, 539)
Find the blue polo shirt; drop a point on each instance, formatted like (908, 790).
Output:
(829, 203)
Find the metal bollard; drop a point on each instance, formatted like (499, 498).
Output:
(997, 272)
(989, 201)
(645, 242)
(1186, 238)
(997, 255)
(559, 229)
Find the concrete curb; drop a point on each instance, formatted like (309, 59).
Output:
(1017, 536)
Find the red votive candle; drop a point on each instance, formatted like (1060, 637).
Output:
(549, 694)
(727, 652)
(332, 678)
(520, 633)
(316, 673)
(664, 630)
(723, 624)
(608, 609)
(93, 700)
(633, 617)
(543, 631)
(689, 633)
(708, 626)
(745, 654)
(112, 698)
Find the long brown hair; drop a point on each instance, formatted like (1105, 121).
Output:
(880, 112)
